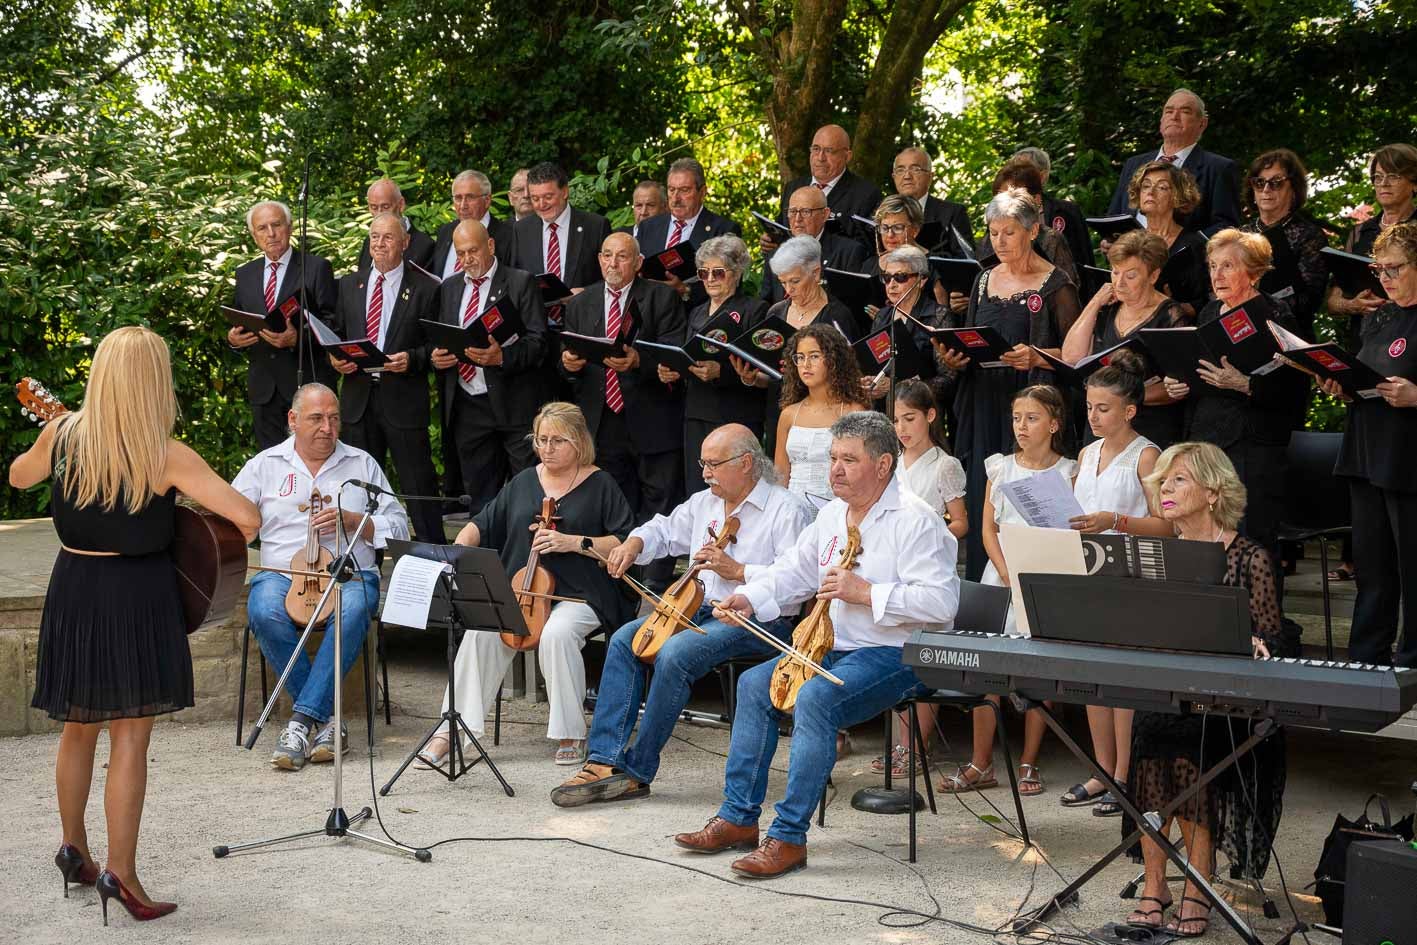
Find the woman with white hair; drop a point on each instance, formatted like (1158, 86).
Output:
(1028, 301)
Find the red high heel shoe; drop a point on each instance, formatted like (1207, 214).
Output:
(110, 886)
(74, 868)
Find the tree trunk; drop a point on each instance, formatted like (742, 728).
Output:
(802, 66)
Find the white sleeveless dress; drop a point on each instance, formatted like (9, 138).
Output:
(1117, 488)
(999, 469)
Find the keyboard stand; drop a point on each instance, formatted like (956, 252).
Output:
(1146, 824)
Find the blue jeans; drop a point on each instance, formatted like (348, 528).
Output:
(683, 659)
(875, 679)
(310, 684)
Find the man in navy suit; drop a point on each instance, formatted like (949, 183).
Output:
(914, 175)
(1183, 119)
(384, 196)
(847, 195)
(647, 201)
(472, 195)
(557, 238)
(687, 224)
(271, 283)
(386, 414)
(488, 406)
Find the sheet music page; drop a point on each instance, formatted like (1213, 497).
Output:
(1044, 500)
(1037, 551)
(411, 591)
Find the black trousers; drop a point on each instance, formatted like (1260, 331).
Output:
(1385, 550)
(270, 421)
(412, 453)
(488, 454)
(695, 432)
(653, 483)
(1262, 468)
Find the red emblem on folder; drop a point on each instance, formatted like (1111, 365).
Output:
(1327, 361)
(880, 346)
(972, 339)
(290, 307)
(1237, 326)
(491, 318)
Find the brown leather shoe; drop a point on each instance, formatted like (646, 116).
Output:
(719, 835)
(773, 858)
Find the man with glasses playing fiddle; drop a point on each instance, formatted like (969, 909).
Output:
(763, 519)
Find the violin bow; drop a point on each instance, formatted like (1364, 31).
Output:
(786, 649)
(652, 597)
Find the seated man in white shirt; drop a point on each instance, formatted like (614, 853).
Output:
(741, 483)
(904, 578)
(282, 481)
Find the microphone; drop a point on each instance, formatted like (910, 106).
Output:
(464, 500)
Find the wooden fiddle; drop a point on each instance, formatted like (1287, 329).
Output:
(813, 637)
(679, 602)
(306, 589)
(534, 586)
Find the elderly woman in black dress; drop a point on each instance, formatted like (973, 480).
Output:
(1275, 190)
(1194, 487)
(1029, 301)
(1165, 195)
(905, 273)
(1021, 173)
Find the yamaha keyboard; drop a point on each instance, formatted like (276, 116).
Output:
(1316, 693)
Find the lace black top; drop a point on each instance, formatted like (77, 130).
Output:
(1299, 265)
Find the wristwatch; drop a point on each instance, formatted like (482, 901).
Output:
(586, 543)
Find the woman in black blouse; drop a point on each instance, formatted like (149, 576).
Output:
(905, 273)
(1275, 189)
(1029, 301)
(1127, 304)
(1166, 194)
(593, 519)
(1393, 171)
(1195, 488)
(1379, 456)
(714, 395)
(1248, 416)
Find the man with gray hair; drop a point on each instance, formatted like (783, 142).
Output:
(270, 284)
(903, 579)
(472, 196)
(1183, 119)
(743, 501)
(384, 196)
(914, 176)
(686, 224)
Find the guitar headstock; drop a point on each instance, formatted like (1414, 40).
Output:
(37, 403)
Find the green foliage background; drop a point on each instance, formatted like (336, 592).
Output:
(134, 136)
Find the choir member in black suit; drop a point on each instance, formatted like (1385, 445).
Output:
(648, 200)
(1165, 196)
(807, 214)
(1393, 171)
(518, 197)
(637, 420)
(1061, 216)
(1248, 416)
(472, 195)
(714, 394)
(557, 238)
(488, 406)
(1183, 118)
(1023, 173)
(269, 284)
(914, 175)
(686, 223)
(387, 413)
(1378, 454)
(1275, 190)
(384, 196)
(847, 194)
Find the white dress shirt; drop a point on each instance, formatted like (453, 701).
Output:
(827, 185)
(450, 265)
(689, 225)
(769, 521)
(478, 384)
(393, 281)
(907, 556)
(279, 482)
(936, 476)
(563, 236)
(283, 263)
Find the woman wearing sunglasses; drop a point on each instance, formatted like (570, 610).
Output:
(1275, 191)
(905, 273)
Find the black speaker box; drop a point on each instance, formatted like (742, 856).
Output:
(1380, 901)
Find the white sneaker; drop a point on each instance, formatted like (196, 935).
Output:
(292, 748)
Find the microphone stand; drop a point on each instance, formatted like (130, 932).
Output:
(338, 823)
(301, 345)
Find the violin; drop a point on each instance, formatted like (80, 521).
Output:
(305, 591)
(534, 586)
(813, 637)
(679, 602)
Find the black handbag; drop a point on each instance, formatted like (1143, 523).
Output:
(1332, 870)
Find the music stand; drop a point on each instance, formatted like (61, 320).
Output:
(476, 596)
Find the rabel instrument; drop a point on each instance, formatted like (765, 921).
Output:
(309, 566)
(679, 602)
(534, 586)
(813, 637)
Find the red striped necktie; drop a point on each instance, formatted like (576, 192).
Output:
(474, 305)
(553, 252)
(376, 311)
(677, 235)
(613, 398)
(271, 287)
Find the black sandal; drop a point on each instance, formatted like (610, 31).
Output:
(1159, 913)
(1107, 805)
(1078, 796)
(1174, 926)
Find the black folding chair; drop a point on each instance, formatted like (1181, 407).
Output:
(1316, 505)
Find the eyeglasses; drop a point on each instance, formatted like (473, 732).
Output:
(805, 211)
(904, 169)
(813, 357)
(1268, 183)
(1387, 270)
(893, 229)
(899, 278)
(717, 272)
(549, 442)
(817, 149)
(1160, 187)
(1379, 178)
(712, 464)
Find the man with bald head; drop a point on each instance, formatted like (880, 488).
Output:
(472, 196)
(914, 175)
(488, 405)
(1183, 120)
(637, 420)
(807, 216)
(386, 413)
(742, 484)
(847, 194)
(384, 196)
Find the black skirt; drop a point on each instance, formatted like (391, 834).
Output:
(112, 640)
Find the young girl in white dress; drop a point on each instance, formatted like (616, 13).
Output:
(821, 382)
(1109, 489)
(1039, 416)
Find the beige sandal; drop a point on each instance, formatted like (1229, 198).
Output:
(960, 783)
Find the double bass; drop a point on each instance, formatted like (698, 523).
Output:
(814, 637)
(305, 588)
(678, 604)
(534, 586)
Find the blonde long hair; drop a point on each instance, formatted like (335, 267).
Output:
(116, 444)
